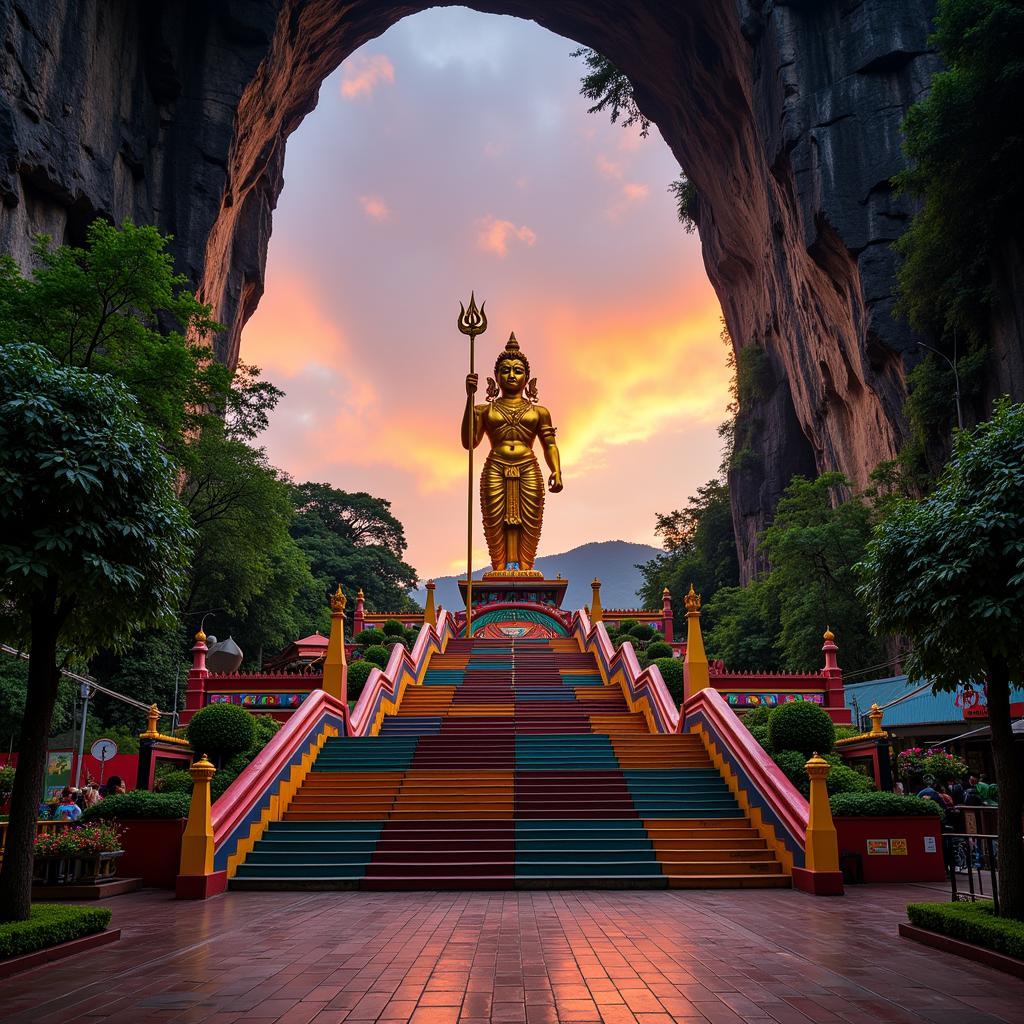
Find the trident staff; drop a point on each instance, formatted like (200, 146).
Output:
(471, 321)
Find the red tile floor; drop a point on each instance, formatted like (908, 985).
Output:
(534, 957)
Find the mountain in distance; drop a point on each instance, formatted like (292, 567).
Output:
(612, 561)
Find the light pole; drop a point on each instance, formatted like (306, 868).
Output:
(956, 376)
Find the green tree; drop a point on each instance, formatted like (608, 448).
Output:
(700, 548)
(354, 538)
(117, 307)
(14, 689)
(743, 626)
(947, 572)
(94, 548)
(817, 537)
(966, 154)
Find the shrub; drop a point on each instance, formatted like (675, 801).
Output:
(844, 779)
(880, 805)
(139, 803)
(621, 638)
(49, 925)
(672, 672)
(411, 636)
(367, 637)
(179, 781)
(658, 649)
(393, 628)
(801, 726)
(642, 632)
(6, 783)
(627, 626)
(220, 782)
(358, 673)
(847, 732)
(791, 763)
(266, 730)
(79, 840)
(377, 655)
(757, 717)
(760, 733)
(220, 730)
(971, 922)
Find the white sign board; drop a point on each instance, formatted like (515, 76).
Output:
(929, 844)
(103, 749)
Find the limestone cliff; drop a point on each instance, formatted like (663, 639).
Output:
(785, 115)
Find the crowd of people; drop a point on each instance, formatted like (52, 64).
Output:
(73, 800)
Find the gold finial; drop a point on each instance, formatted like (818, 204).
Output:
(203, 764)
(817, 766)
(665, 592)
(875, 714)
(828, 636)
(338, 601)
(692, 600)
(152, 717)
(200, 636)
(359, 595)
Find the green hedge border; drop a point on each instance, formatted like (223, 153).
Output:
(971, 922)
(50, 925)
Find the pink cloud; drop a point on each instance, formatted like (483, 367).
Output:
(362, 74)
(609, 168)
(375, 208)
(633, 192)
(495, 235)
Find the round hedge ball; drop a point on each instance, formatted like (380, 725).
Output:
(221, 730)
(801, 726)
(641, 631)
(377, 655)
(672, 672)
(658, 649)
(358, 673)
(393, 628)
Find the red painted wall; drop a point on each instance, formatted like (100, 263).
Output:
(152, 850)
(914, 866)
(125, 765)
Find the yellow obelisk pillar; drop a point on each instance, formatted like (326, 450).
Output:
(335, 663)
(822, 849)
(596, 611)
(696, 675)
(430, 612)
(197, 839)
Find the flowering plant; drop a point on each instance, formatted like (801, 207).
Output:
(79, 840)
(910, 761)
(933, 761)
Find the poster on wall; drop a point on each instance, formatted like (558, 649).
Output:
(58, 773)
(899, 847)
(878, 847)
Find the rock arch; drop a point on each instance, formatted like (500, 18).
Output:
(785, 115)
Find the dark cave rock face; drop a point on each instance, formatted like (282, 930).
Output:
(785, 115)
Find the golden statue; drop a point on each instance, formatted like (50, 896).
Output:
(511, 484)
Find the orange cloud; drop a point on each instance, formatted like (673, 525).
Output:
(495, 234)
(362, 74)
(375, 208)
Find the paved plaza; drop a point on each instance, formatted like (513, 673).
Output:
(534, 957)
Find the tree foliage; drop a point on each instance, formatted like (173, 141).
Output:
(947, 572)
(354, 537)
(700, 548)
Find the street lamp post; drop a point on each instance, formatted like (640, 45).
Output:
(956, 376)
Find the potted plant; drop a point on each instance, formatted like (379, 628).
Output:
(79, 854)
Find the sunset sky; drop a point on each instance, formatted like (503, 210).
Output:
(455, 153)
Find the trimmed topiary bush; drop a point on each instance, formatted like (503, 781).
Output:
(844, 779)
(801, 726)
(393, 628)
(792, 762)
(642, 632)
(411, 636)
(175, 782)
(49, 925)
(377, 655)
(358, 673)
(971, 922)
(760, 733)
(658, 649)
(847, 732)
(671, 670)
(880, 805)
(220, 730)
(757, 717)
(367, 637)
(139, 803)
(626, 625)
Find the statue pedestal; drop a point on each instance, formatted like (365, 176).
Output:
(516, 588)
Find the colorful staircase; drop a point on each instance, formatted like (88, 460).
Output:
(512, 766)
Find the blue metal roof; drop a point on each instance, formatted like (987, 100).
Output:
(924, 708)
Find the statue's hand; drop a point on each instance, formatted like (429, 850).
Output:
(472, 379)
(555, 483)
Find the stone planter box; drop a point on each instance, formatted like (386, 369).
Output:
(96, 867)
(904, 849)
(152, 849)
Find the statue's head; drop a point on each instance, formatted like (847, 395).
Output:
(512, 368)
